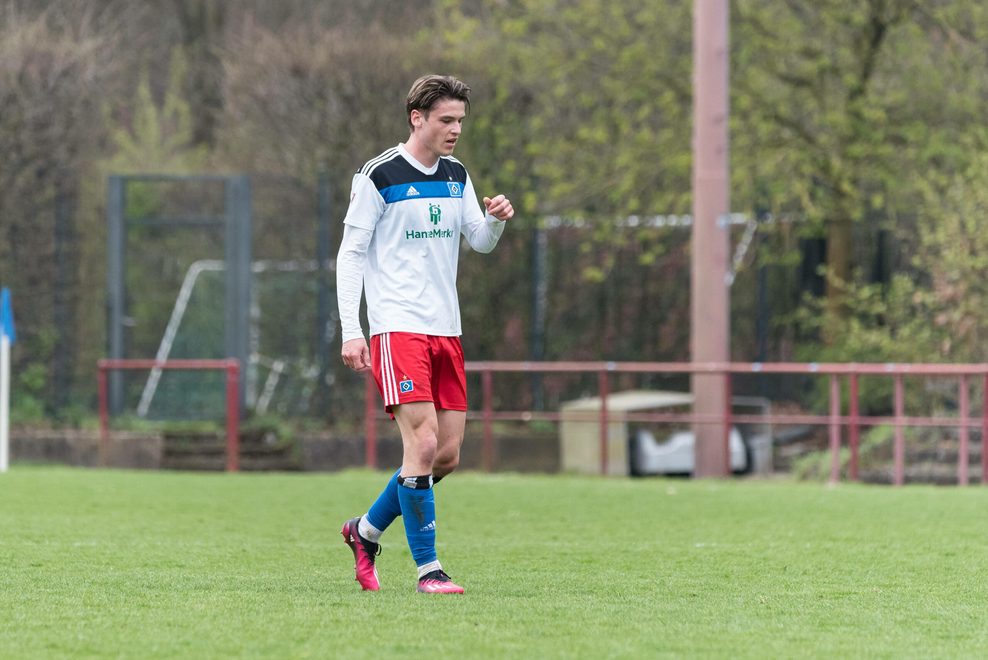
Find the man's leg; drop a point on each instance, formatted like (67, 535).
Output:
(387, 507)
(363, 534)
(419, 428)
(382, 512)
(449, 391)
(419, 425)
(450, 440)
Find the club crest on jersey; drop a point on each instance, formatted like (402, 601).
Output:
(406, 386)
(455, 189)
(435, 213)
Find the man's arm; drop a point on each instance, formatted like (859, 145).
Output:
(365, 209)
(350, 264)
(483, 230)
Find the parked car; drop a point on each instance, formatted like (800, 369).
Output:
(674, 455)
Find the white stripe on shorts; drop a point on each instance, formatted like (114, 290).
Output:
(389, 384)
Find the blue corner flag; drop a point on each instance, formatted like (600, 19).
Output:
(7, 316)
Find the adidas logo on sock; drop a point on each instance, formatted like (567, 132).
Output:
(431, 527)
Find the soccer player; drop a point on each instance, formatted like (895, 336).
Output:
(401, 244)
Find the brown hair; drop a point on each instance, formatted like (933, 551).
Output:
(429, 90)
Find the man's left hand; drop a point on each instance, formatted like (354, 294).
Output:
(499, 207)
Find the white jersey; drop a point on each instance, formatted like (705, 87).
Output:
(416, 216)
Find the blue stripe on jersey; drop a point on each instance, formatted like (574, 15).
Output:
(422, 190)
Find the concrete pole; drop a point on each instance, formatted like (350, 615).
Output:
(710, 311)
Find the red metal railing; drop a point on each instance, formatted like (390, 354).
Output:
(230, 366)
(834, 420)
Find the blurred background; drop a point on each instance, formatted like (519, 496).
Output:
(858, 158)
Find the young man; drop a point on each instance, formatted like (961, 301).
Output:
(401, 242)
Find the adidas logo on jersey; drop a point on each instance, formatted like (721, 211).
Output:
(411, 192)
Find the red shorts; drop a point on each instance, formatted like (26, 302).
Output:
(414, 367)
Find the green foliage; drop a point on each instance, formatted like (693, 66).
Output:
(872, 452)
(272, 428)
(26, 409)
(77, 416)
(577, 115)
(156, 137)
(855, 119)
(843, 111)
(600, 137)
(130, 422)
(952, 252)
(159, 136)
(939, 311)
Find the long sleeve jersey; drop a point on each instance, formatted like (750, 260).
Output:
(401, 244)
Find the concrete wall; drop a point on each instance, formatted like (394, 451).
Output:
(324, 452)
(73, 447)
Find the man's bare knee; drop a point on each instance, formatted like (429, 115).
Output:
(419, 438)
(451, 425)
(445, 465)
(422, 452)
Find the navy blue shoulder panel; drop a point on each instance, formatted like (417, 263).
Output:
(394, 171)
(452, 170)
(397, 180)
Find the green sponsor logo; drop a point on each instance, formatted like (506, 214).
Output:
(435, 213)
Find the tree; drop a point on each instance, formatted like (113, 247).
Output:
(202, 22)
(50, 78)
(582, 112)
(839, 111)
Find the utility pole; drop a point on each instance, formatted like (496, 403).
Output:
(710, 301)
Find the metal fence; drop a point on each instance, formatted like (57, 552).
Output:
(838, 421)
(229, 367)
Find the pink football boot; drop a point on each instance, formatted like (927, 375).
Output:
(437, 582)
(364, 554)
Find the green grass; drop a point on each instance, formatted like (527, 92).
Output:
(152, 564)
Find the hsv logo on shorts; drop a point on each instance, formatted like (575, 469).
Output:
(406, 385)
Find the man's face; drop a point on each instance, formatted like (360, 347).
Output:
(439, 130)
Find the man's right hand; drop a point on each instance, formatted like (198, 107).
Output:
(356, 355)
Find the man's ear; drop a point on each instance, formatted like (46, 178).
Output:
(416, 117)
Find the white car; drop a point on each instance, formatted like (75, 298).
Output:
(674, 455)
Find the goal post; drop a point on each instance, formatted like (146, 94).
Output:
(230, 367)
(221, 224)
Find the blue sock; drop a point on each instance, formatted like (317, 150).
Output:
(387, 507)
(418, 507)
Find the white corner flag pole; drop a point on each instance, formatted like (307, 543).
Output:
(7, 337)
(4, 400)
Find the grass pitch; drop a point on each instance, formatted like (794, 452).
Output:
(151, 564)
